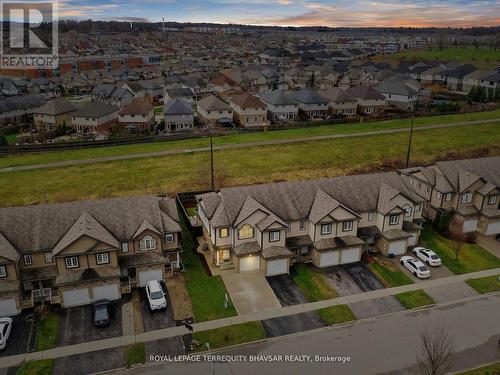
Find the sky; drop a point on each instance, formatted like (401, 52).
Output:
(351, 13)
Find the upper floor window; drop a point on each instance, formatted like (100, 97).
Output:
(428, 189)
(72, 262)
(407, 209)
(438, 195)
(326, 229)
(418, 207)
(492, 199)
(47, 256)
(302, 225)
(467, 197)
(169, 238)
(224, 232)
(393, 219)
(27, 260)
(447, 197)
(274, 236)
(3, 271)
(371, 215)
(102, 258)
(148, 243)
(124, 246)
(246, 231)
(347, 226)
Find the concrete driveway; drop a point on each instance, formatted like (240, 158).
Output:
(340, 280)
(76, 324)
(436, 272)
(250, 292)
(286, 290)
(363, 277)
(490, 244)
(448, 293)
(376, 307)
(90, 363)
(156, 319)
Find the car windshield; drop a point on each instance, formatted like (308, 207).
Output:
(101, 312)
(434, 257)
(156, 295)
(422, 268)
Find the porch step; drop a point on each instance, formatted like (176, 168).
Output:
(226, 266)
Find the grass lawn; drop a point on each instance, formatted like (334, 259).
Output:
(135, 354)
(485, 370)
(47, 332)
(207, 293)
(192, 211)
(485, 284)
(389, 275)
(47, 157)
(472, 257)
(312, 284)
(11, 138)
(414, 299)
(41, 367)
(336, 314)
(483, 58)
(230, 335)
(261, 164)
(158, 110)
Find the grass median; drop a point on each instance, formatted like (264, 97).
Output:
(486, 284)
(414, 299)
(48, 332)
(41, 367)
(135, 354)
(230, 335)
(336, 314)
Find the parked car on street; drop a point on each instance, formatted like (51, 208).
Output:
(100, 313)
(5, 328)
(428, 256)
(156, 296)
(416, 267)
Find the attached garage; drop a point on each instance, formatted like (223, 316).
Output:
(412, 241)
(470, 225)
(249, 263)
(350, 255)
(492, 229)
(397, 247)
(328, 258)
(8, 307)
(111, 292)
(276, 267)
(76, 297)
(145, 276)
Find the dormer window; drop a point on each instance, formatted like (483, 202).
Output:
(467, 197)
(347, 226)
(492, 199)
(407, 209)
(326, 229)
(246, 231)
(274, 236)
(169, 238)
(148, 243)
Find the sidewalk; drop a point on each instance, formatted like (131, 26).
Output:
(92, 346)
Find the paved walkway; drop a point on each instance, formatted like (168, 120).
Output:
(115, 342)
(67, 163)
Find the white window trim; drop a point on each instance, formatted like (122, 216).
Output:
(347, 226)
(46, 255)
(251, 234)
(124, 247)
(3, 271)
(447, 197)
(104, 258)
(72, 262)
(371, 216)
(393, 222)
(28, 261)
(492, 199)
(169, 238)
(148, 243)
(325, 232)
(227, 232)
(467, 197)
(408, 210)
(272, 234)
(302, 225)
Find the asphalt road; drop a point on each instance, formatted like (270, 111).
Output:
(66, 163)
(385, 345)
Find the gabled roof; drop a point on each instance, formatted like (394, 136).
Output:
(213, 103)
(386, 194)
(278, 98)
(137, 107)
(96, 109)
(365, 93)
(7, 251)
(466, 179)
(249, 207)
(323, 204)
(307, 96)
(145, 226)
(337, 95)
(178, 107)
(56, 107)
(247, 100)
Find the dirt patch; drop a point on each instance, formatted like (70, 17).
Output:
(181, 304)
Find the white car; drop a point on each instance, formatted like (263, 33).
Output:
(416, 267)
(156, 296)
(5, 328)
(428, 256)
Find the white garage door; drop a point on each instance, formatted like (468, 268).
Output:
(470, 226)
(350, 255)
(329, 258)
(493, 228)
(146, 276)
(110, 292)
(397, 247)
(8, 307)
(277, 267)
(249, 263)
(412, 241)
(76, 297)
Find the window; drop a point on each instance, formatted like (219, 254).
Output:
(326, 229)
(371, 215)
(224, 232)
(302, 225)
(428, 189)
(347, 226)
(169, 238)
(407, 209)
(246, 231)
(418, 207)
(274, 236)
(47, 256)
(3, 271)
(438, 195)
(148, 243)
(124, 246)
(393, 219)
(72, 262)
(27, 259)
(102, 258)
(467, 197)
(492, 199)
(447, 197)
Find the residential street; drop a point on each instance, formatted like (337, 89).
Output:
(384, 345)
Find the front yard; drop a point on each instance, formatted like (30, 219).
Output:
(472, 257)
(47, 335)
(485, 284)
(231, 335)
(388, 274)
(312, 284)
(414, 299)
(336, 314)
(135, 354)
(41, 367)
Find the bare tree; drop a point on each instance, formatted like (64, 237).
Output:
(435, 357)
(457, 236)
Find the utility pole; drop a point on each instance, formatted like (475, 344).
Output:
(409, 142)
(211, 162)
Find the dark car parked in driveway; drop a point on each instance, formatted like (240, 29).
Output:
(100, 313)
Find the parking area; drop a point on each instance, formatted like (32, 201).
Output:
(250, 292)
(285, 289)
(76, 324)
(376, 307)
(363, 277)
(340, 280)
(156, 319)
(20, 334)
(436, 272)
(448, 293)
(90, 363)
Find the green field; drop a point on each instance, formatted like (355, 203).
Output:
(54, 156)
(261, 164)
(483, 58)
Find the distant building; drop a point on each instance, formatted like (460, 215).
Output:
(179, 115)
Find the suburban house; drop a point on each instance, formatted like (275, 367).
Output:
(214, 112)
(79, 252)
(398, 94)
(326, 221)
(280, 106)
(311, 104)
(370, 101)
(467, 190)
(95, 116)
(249, 111)
(54, 113)
(455, 77)
(184, 93)
(341, 103)
(16, 108)
(179, 115)
(487, 79)
(137, 116)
